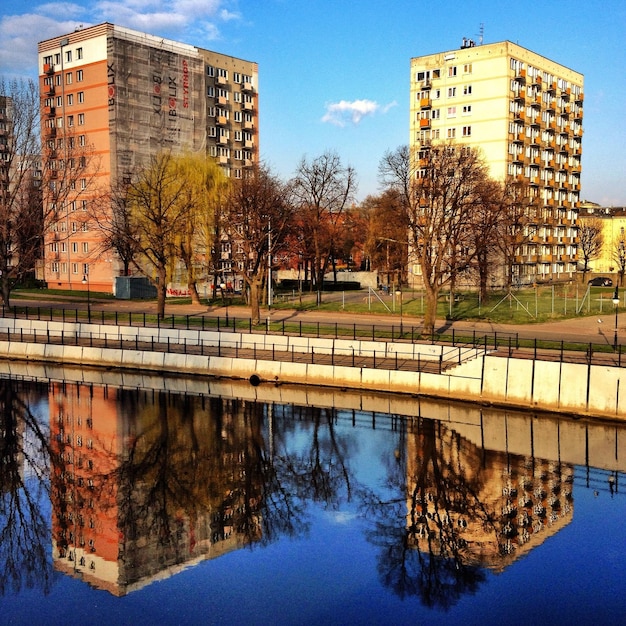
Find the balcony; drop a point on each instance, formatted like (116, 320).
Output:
(248, 126)
(248, 106)
(247, 86)
(222, 139)
(424, 123)
(50, 91)
(221, 120)
(248, 144)
(50, 111)
(48, 68)
(221, 80)
(223, 101)
(222, 160)
(426, 103)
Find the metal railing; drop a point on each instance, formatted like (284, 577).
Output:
(497, 343)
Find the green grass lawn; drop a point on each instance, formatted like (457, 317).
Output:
(521, 306)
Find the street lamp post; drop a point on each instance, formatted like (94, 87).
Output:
(85, 281)
(399, 294)
(616, 305)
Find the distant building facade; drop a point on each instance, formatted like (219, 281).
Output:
(525, 113)
(613, 236)
(129, 95)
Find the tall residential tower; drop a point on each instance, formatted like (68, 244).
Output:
(524, 112)
(127, 95)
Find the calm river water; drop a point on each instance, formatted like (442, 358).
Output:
(154, 501)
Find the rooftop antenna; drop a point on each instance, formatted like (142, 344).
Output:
(481, 35)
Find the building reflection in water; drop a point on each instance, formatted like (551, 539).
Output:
(149, 483)
(144, 483)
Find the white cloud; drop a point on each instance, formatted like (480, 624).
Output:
(342, 112)
(190, 21)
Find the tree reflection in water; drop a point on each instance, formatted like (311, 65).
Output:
(24, 490)
(422, 550)
(143, 483)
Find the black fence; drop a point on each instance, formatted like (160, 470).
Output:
(498, 343)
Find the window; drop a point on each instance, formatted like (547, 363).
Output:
(237, 96)
(68, 56)
(84, 205)
(237, 115)
(452, 71)
(210, 71)
(70, 120)
(59, 101)
(467, 90)
(81, 119)
(79, 76)
(70, 99)
(74, 247)
(222, 73)
(68, 78)
(451, 133)
(210, 92)
(212, 132)
(238, 135)
(74, 268)
(236, 77)
(435, 114)
(85, 247)
(210, 111)
(54, 247)
(467, 109)
(467, 131)
(467, 68)
(81, 97)
(451, 92)
(79, 53)
(451, 111)
(222, 93)
(81, 140)
(54, 267)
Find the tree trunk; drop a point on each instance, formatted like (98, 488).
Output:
(255, 312)
(193, 292)
(161, 291)
(430, 309)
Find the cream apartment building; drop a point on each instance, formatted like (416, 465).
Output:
(128, 95)
(524, 112)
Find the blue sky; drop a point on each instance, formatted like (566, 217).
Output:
(334, 75)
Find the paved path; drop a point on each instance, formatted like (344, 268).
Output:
(600, 329)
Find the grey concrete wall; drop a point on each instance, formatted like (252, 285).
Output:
(550, 386)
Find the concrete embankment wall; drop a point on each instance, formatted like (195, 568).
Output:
(590, 442)
(550, 386)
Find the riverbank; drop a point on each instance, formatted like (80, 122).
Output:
(475, 375)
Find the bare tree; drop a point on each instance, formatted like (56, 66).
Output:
(386, 243)
(322, 187)
(619, 256)
(440, 190)
(113, 216)
(517, 226)
(257, 214)
(21, 213)
(590, 242)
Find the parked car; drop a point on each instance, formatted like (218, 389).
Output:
(600, 281)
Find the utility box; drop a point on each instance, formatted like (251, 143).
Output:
(134, 288)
